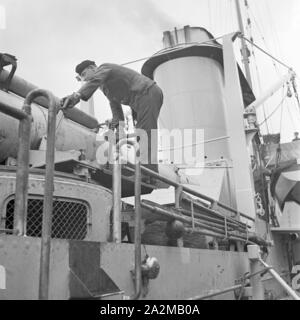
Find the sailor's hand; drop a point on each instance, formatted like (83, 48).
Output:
(112, 124)
(108, 123)
(70, 101)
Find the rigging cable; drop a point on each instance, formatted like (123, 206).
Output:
(274, 111)
(172, 48)
(260, 89)
(234, 27)
(62, 116)
(278, 150)
(281, 116)
(291, 118)
(134, 61)
(297, 107)
(249, 27)
(208, 41)
(210, 13)
(218, 14)
(257, 147)
(274, 29)
(276, 41)
(265, 42)
(44, 115)
(296, 92)
(290, 94)
(227, 20)
(268, 54)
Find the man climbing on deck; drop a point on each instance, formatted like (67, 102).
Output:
(125, 86)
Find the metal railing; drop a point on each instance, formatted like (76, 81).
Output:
(25, 119)
(230, 289)
(193, 192)
(232, 228)
(49, 188)
(281, 282)
(117, 212)
(255, 279)
(199, 226)
(137, 168)
(21, 193)
(213, 230)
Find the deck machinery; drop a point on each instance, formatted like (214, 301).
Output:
(74, 228)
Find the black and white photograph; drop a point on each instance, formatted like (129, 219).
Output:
(149, 153)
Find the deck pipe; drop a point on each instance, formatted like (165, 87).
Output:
(193, 192)
(213, 213)
(174, 216)
(207, 219)
(49, 188)
(283, 284)
(137, 230)
(22, 88)
(138, 214)
(116, 184)
(21, 193)
(233, 288)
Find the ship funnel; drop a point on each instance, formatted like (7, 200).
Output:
(184, 36)
(190, 72)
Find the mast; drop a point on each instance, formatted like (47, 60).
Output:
(245, 50)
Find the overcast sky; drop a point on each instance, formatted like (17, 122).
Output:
(49, 37)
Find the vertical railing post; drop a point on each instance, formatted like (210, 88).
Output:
(178, 194)
(116, 195)
(48, 200)
(138, 217)
(25, 118)
(256, 283)
(48, 190)
(21, 193)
